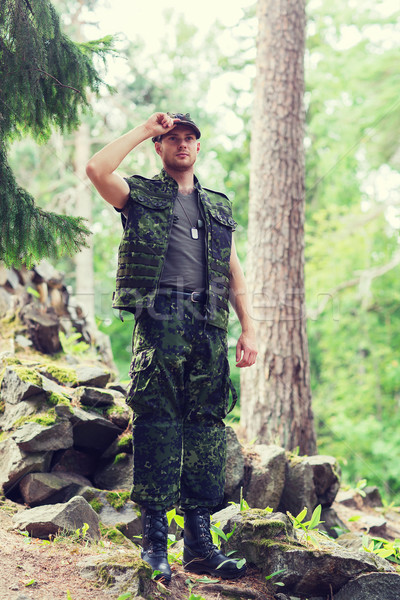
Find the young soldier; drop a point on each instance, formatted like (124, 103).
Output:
(177, 269)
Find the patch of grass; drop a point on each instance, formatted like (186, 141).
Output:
(64, 375)
(125, 441)
(96, 504)
(46, 419)
(28, 375)
(118, 499)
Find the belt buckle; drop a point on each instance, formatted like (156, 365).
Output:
(192, 297)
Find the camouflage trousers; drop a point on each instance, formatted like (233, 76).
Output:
(179, 394)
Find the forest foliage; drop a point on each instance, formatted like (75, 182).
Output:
(352, 202)
(46, 82)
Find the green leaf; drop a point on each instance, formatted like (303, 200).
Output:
(170, 515)
(301, 516)
(275, 573)
(219, 532)
(31, 582)
(315, 518)
(155, 573)
(126, 596)
(179, 520)
(230, 534)
(207, 580)
(240, 563)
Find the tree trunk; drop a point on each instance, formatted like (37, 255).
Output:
(276, 396)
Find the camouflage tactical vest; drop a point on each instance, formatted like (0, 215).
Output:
(144, 244)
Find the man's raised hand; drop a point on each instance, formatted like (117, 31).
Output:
(159, 124)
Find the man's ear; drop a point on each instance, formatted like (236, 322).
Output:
(198, 147)
(157, 146)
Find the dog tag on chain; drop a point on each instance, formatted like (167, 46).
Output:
(194, 233)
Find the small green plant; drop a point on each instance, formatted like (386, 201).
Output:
(358, 489)
(126, 596)
(382, 547)
(155, 574)
(69, 597)
(70, 344)
(31, 582)
(32, 292)
(217, 534)
(190, 583)
(243, 504)
(307, 527)
(118, 499)
(274, 574)
(26, 536)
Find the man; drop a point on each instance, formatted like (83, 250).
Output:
(177, 270)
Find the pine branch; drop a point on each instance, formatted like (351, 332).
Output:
(29, 6)
(28, 233)
(58, 82)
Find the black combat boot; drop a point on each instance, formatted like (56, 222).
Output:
(154, 542)
(200, 555)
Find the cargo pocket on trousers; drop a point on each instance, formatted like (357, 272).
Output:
(230, 390)
(140, 374)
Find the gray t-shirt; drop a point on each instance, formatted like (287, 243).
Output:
(185, 262)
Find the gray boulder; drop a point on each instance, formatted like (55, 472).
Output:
(125, 517)
(371, 586)
(234, 466)
(92, 430)
(43, 328)
(50, 488)
(33, 437)
(74, 461)
(26, 408)
(91, 396)
(115, 475)
(19, 383)
(312, 567)
(326, 476)
(51, 519)
(129, 574)
(15, 463)
(310, 481)
(267, 476)
(92, 376)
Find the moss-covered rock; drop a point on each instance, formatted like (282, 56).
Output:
(125, 572)
(62, 375)
(118, 499)
(28, 375)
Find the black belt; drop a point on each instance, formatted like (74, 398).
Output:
(186, 294)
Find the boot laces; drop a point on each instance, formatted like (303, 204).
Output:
(157, 533)
(205, 533)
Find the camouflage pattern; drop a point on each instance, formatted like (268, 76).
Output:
(144, 243)
(179, 393)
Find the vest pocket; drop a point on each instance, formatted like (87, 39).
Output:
(222, 225)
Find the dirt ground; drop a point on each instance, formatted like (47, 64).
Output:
(33, 570)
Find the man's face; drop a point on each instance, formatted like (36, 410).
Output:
(179, 148)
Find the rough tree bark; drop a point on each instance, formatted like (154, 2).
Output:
(275, 394)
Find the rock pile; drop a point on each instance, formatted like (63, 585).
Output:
(35, 306)
(66, 454)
